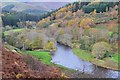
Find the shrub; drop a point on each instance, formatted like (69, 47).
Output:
(85, 43)
(100, 49)
(49, 45)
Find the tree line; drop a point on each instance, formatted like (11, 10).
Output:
(11, 18)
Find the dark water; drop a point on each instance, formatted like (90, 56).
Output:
(65, 57)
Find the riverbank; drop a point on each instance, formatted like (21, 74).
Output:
(66, 72)
(44, 57)
(109, 63)
(19, 66)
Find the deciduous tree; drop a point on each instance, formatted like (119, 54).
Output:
(100, 49)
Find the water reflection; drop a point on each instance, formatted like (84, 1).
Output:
(65, 57)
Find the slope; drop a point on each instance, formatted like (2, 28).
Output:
(16, 65)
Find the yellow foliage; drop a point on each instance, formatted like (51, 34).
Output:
(87, 27)
(71, 22)
(62, 10)
(86, 22)
(100, 48)
(49, 45)
(36, 43)
(19, 76)
(43, 21)
(94, 12)
(64, 76)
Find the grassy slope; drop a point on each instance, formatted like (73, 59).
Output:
(83, 54)
(45, 57)
(111, 63)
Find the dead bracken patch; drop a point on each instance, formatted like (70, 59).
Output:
(15, 65)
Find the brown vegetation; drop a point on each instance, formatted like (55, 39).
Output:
(16, 65)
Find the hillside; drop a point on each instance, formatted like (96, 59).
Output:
(16, 65)
(72, 14)
(32, 8)
(48, 5)
(23, 7)
(81, 36)
(13, 12)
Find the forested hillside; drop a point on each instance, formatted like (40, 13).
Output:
(15, 12)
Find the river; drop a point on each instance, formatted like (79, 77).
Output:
(65, 57)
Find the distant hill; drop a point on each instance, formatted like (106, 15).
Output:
(48, 5)
(31, 7)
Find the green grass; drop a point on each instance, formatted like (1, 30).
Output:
(85, 55)
(110, 33)
(116, 58)
(14, 30)
(45, 57)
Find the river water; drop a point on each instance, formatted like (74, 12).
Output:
(65, 57)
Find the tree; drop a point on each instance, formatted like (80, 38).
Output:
(94, 12)
(76, 33)
(100, 7)
(86, 23)
(101, 49)
(79, 13)
(8, 27)
(52, 30)
(65, 39)
(93, 33)
(68, 15)
(50, 45)
(85, 43)
(63, 9)
(60, 15)
(104, 35)
(72, 22)
(37, 43)
(43, 23)
(114, 37)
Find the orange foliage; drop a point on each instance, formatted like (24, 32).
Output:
(94, 12)
(62, 10)
(85, 23)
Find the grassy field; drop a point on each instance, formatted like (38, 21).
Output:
(45, 57)
(14, 30)
(116, 58)
(83, 54)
